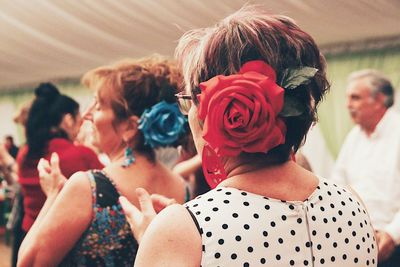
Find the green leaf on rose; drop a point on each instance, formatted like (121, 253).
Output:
(292, 107)
(292, 78)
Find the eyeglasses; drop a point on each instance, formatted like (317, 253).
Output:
(184, 102)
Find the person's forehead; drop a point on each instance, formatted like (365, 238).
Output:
(358, 87)
(103, 93)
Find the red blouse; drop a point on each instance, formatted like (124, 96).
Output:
(73, 158)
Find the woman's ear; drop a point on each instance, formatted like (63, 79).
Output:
(68, 125)
(130, 128)
(67, 122)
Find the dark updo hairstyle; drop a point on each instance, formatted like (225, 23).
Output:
(252, 34)
(44, 118)
(133, 85)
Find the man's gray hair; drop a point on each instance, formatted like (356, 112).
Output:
(377, 82)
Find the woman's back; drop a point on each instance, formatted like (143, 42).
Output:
(329, 228)
(153, 176)
(108, 240)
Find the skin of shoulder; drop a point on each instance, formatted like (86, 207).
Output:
(176, 184)
(172, 239)
(155, 178)
(68, 217)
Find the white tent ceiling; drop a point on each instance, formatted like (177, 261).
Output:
(47, 39)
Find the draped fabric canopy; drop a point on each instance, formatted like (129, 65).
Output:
(49, 39)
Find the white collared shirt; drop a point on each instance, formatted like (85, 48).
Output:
(371, 166)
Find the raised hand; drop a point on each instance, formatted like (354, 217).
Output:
(51, 178)
(386, 245)
(139, 219)
(160, 202)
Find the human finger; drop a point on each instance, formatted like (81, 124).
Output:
(55, 164)
(43, 167)
(45, 179)
(131, 212)
(146, 205)
(41, 170)
(134, 217)
(160, 202)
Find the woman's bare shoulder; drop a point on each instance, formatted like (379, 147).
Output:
(171, 238)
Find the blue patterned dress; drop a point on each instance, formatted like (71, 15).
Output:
(108, 241)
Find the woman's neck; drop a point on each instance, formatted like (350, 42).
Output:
(116, 155)
(286, 181)
(242, 165)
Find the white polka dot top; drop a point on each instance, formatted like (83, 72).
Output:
(238, 228)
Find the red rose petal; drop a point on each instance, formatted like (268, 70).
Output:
(213, 168)
(240, 110)
(260, 67)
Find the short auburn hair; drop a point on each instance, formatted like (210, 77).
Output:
(133, 85)
(253, 34)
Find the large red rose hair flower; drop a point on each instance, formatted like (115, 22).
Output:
(240, 111)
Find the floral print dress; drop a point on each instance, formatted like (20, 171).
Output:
(108, 241)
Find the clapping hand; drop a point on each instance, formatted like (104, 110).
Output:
(386, 245)
(51, 178)
(139, 219)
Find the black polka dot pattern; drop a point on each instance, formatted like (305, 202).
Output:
(238, 228)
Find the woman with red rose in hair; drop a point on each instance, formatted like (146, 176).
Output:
(253, 82)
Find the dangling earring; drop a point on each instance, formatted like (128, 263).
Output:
(213, 168)
(129, 157)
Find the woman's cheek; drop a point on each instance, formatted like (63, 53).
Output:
(196, 129)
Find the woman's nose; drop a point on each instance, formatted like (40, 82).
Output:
(87, 114)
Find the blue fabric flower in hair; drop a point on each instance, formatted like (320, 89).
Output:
(162, 124)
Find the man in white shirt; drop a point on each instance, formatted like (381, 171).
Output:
(369, 160)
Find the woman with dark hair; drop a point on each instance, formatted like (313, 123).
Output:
(253, 82)
(134, 113)
(52, 125)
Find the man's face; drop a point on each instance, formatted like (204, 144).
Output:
(360, 102)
